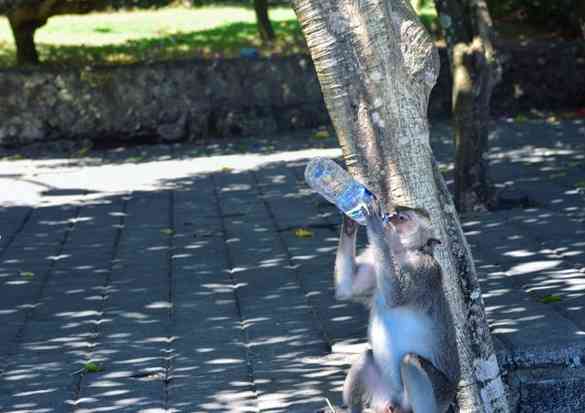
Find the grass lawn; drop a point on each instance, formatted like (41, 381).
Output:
(152, 35)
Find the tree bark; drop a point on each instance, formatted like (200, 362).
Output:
(24, 39)
(467, 28)
(262, 19)
(377, 65)
(26, 17)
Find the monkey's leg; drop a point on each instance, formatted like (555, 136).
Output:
(363, 382)
(353, 278)
(427, 388)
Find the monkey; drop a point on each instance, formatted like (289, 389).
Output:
(411, 365)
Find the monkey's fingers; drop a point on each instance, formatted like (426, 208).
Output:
(348, 225)
(365, 208)
(378, 210)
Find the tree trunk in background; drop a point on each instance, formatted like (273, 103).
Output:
(467, 28)
(26, 17)
(264, 25)
(377, 65)
(24, 39)
(580, 12)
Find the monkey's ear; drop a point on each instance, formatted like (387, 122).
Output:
(433, 241)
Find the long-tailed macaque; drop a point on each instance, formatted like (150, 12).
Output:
(412, 364)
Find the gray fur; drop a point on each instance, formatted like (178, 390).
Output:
(398, 277)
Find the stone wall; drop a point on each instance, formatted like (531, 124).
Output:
(191, 100)
(165, 101)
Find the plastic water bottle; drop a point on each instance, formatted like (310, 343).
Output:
(338, 187)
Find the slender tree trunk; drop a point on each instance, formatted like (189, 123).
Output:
(26, 17)
(580, 12)
(377, 65)
(24, 38)
(467, 28)
(264, 25)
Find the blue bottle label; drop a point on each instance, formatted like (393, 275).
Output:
(352, 202)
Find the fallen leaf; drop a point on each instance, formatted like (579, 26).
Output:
(137, 158)
(167, 231)
(520, 118)
(83, 151)
(27, 274)
(92, 367)
(16, 157)
(322, 134)
(303, 233)
(227, 169)
(547, 299)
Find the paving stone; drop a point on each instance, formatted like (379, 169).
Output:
(300, 385)
(202, 395)
(573, 309)
(11, 221)
(519, 321)
(550, 390)
(115, 392)
(36, 397)
(34, 382)
(244, 325)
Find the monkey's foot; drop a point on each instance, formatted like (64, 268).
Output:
(390, 408)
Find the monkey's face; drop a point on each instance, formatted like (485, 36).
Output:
(413, 228)
(404, 223)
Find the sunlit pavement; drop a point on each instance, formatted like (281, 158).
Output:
(173, 278)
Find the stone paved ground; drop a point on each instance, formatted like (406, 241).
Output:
(170, 278)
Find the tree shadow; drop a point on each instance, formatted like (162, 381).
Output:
(197, 294)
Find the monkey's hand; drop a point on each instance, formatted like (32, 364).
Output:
(375, 218)
(349, 226)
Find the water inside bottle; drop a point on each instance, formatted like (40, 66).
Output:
(352, 200)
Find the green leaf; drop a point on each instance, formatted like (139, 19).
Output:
(83, 151)
(520, 118)
(548, 299)
(92, 367)
(580, 184)
(27, 274)
(167, 231)
(137, 158)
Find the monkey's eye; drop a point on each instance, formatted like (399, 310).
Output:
(402, 217)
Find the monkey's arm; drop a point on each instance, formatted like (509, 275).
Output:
(353, 278)
(384, 244)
